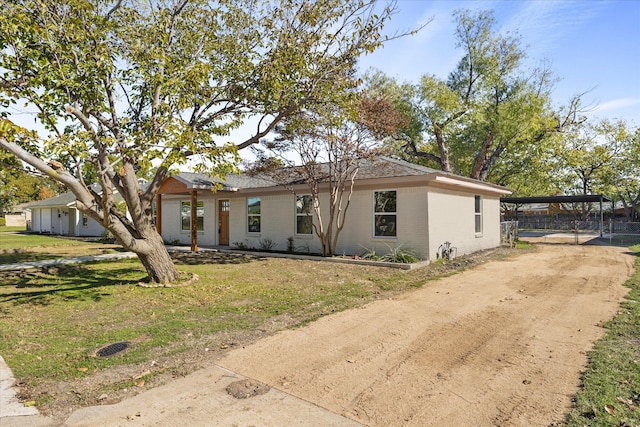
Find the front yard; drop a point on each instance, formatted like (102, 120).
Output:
(54, 320)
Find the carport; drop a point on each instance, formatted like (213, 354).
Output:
(588, 198)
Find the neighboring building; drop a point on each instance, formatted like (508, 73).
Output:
(59, 215)
(394, 204)
(18, 217)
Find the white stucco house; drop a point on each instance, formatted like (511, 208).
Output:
(394, 203)
(59, 215)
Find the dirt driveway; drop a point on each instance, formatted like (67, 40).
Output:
(502, 344)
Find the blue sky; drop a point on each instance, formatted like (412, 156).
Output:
(592, 46)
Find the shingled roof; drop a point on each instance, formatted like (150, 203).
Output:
(65, 199)
(380, 167)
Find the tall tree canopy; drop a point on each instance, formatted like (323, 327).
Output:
(621, 179)
(135, 88)
(489, 118)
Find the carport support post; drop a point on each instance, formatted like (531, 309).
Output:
(601, 217)
(194, 221)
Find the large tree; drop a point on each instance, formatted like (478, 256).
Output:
(622, 178)
(321, 151)
(583, 163)
(488, 117)
(141, 87)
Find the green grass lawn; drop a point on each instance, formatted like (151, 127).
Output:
(23, 247)
(53, 320)
(610, 394)
(5, 228)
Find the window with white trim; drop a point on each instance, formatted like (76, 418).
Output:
(478, 214)
(384, 213)
(253, 214)
(304, 217)
(185, 215)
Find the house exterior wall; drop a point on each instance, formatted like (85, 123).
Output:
(426, 217)
(278, 223)
(45, 220)
(35, 220)
(16, 220)
(171, 221)
(92, 228)
(452, 219)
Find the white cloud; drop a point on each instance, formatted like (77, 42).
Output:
(617, 104)
(543, 24)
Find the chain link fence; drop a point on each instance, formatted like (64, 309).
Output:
(624, 227)
(552, 223)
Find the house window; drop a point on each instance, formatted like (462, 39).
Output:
(384, 214)
(304, 219)
(85, 221)
(478, 214)
(253, 214)
(185, 215)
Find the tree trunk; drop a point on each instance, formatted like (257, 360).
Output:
(443, 150)
(158, 263)
(151, 251)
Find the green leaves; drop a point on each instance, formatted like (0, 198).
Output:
(488, 120)
(145, 87)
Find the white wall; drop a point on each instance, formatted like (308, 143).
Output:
(426, 218)
(452, 219)
(93, 228)
(171, 222)
(279, 219)
(35, 220)
(45, 220)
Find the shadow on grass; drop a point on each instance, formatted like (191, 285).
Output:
(18, 257)
(62, 283)
(212, 257)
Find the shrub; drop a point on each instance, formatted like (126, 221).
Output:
(107, 237)
(267, 244)
(370, 254)
(399, 255)
(243, 246)
(3, 222)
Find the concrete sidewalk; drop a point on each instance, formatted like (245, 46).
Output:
(199, 399)
(60, 261)
(10, 406)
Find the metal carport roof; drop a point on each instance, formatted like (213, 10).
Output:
(592, 198)
(556, 199)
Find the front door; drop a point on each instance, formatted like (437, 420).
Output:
(223, 222)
